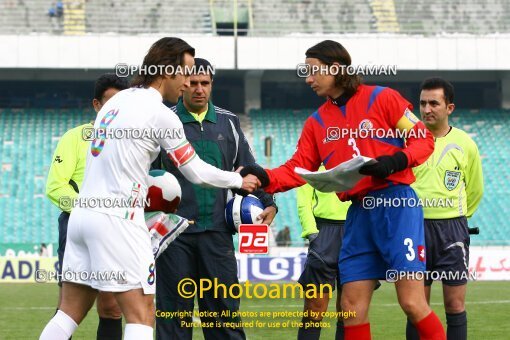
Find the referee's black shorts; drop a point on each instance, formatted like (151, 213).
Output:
(447, 250)
(321, 265)
(63, 221)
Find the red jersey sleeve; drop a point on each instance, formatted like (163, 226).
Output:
(419, 148)
(398, 111)
(306, 156)
(393, 105)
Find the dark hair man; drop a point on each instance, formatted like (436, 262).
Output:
(205, 250)
(115, 239)
(383, 238)
(453, 173)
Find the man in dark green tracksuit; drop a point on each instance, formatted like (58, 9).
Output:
(205, 250)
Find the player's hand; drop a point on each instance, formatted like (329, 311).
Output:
(385, 166)
(241, 191)
(267, 216)
(250, 184)
(258, 171)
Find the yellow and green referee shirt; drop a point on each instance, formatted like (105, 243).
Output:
(312, 203)
(68, 166)
(453, 173)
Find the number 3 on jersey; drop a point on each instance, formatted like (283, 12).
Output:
(352, 142)
(98, 142)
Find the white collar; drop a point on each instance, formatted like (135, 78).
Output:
(155, 93)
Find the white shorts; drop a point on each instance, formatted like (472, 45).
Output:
(108, 253)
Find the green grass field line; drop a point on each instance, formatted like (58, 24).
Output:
(25, 309)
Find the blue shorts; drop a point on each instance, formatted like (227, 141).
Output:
(382, 237)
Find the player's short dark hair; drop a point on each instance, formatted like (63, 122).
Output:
(203, 65)
(166, 51)
(329, 52)
(108, 81)
(434, 83)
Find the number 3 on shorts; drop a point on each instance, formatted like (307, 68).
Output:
(409, 243)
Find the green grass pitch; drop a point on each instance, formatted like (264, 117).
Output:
(25, 309)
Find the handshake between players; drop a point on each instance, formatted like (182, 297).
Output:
(254, 178)
(164, 226)
(251, 182)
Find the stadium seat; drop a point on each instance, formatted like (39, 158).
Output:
(29, 216)
(264, 17)
(27, 141)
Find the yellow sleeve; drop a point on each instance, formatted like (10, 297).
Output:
(305, 210)
(63, 165)
(474, 180)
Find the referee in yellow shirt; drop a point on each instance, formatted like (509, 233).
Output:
(322, 216)
(62, 186)
(453, 173)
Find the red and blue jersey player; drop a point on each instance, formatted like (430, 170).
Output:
(380, 241)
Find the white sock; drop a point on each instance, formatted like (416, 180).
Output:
(136, 331)
(60, 327)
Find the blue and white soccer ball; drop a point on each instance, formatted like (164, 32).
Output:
(243, 210)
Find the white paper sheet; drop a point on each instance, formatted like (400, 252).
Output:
(343, 177)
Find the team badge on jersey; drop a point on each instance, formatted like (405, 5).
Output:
(451, 179)
(366, 124)
(182, 154)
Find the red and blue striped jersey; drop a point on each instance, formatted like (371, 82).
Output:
(372, 123)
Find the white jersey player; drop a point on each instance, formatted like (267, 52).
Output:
(108, 245)
(118, 168)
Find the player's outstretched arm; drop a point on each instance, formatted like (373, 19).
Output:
(183, 155)
(201, 173)
(244, 156)
(284, 178)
